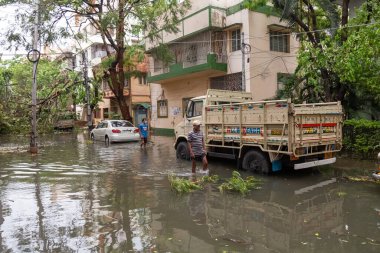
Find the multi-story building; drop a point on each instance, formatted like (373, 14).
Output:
(207, 53)
(136, 90)
(137, 95)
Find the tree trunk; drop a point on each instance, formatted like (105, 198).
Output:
(124, 108)
(326, 83)
(117, 88)
(117, 67)
(345, 5)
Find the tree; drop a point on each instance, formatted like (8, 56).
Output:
(114, 21)
(55, 89)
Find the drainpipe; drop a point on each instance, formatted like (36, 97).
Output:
(243, 63)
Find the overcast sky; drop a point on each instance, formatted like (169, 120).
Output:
(7, 21)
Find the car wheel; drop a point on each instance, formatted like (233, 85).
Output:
(182, 151)
(257, 162)
(92, 137)
(107, 140)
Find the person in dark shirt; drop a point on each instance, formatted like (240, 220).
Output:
(197, 147)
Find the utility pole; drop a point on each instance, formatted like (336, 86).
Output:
(85, 75)
(245, 49)
(36, 56)
(242, 63)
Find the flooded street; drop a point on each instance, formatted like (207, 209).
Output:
(76, 196)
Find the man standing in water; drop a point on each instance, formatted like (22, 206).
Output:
(143, 127)
(197, 147)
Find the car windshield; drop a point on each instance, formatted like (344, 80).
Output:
(121, 124)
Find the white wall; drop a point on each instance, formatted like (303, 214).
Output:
(174, 93)
(265, 64)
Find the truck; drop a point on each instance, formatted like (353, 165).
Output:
(263, 136)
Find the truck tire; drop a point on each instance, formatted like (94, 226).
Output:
(256, 161)
(182, 151)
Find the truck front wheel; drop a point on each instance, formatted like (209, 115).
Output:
(183, 151)
(256, 161)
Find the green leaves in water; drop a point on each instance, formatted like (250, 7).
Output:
(234, 184)
(210, 179)
(181, 185)
(238, 184)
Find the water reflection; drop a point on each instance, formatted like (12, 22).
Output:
(81, 197)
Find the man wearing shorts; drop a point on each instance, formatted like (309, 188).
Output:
(143, 127)
(197, 147)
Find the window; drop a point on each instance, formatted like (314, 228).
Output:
(185, 102)
(231, 82)
(121, 124)
(142, 79)
(158, 65)
(102, 125)
(198, 106)
(194, 109)
(279, 41)
(162, 108)
(105, 113)
(126, 82)
(235, 38)
(97, 113)
(282, 78)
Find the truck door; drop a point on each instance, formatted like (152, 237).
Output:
(194, 112)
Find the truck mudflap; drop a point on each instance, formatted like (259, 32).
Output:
(305, 165)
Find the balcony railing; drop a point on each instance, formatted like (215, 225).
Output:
(110, 94)
(208, 17)
(194, 51)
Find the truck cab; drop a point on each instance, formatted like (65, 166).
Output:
(196, 110)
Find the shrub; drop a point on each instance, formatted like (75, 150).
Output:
(362, 137)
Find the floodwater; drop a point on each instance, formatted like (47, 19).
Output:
(76, 196)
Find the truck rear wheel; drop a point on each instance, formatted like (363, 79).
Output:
(256, 161)
(183, 151)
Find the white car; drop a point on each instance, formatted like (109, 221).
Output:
(115, 131)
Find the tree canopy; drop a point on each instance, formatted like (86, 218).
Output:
(339, 57)
(56, 88)
(114, 21)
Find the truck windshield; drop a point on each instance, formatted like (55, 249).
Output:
(194, 109)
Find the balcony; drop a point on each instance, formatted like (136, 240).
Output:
(107, 93)
(198, 55)
(207, 18)
(98, 57)
(211, 65)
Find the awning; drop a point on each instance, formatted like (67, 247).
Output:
(233, 26)
(279, 28)
(145, 105)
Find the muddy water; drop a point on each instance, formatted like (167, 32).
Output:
(76, 196)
